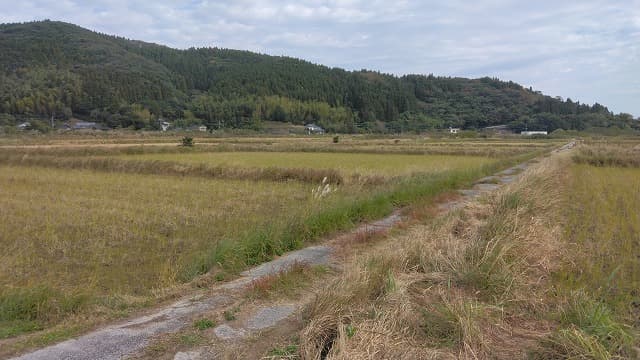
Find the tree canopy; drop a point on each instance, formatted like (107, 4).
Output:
(54, 69)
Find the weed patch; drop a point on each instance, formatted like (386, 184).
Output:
(28, 309)
(285, 283)
(230, 315)
(203, 324)
(191, 339)
(289, 352)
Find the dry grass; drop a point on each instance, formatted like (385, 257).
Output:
(75, 227)
(143, 144)
(285, 283)
(72, 234)
(501, 279)
(597, 287)
(616, 154)
(467, 285)
(354, 167)
(177, 168)
(94, 227)
(83, 242)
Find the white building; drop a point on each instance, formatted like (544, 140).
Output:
(529, 133)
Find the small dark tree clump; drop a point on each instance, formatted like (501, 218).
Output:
(187, 141)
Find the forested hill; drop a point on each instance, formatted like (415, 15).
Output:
(55, 69)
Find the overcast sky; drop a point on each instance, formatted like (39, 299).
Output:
(586, 50)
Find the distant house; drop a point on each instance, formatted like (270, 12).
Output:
(24, 126)
(529, 133)
(202, 128)
(85, 125)
(498, 129)
(453, 130)
(313, 129)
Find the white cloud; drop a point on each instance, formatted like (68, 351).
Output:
(305, 39)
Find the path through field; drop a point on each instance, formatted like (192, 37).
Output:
(130, 338)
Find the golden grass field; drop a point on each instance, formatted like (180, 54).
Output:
(349, 164)
(86, 231)
(604, 226)
(78, 229)
(105, 231)
(127, 142)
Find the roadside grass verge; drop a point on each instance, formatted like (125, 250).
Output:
(466, 285)
(29, 309)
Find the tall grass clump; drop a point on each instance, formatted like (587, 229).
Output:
(588, 330)
(491, 263)
(596, 319)
(31, 308)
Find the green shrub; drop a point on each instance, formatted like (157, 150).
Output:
(204, 324)
(187, 141)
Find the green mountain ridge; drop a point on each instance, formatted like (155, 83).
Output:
(60, 70)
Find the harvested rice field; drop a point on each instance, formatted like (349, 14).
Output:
(97, 234)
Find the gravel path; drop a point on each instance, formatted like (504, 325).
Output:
(117, 341)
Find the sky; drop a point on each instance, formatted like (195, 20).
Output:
(588, 51)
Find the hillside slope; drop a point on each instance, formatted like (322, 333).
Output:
(57, 69)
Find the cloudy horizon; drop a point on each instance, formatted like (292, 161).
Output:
(588, 51)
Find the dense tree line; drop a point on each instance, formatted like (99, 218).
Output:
(53, 69)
